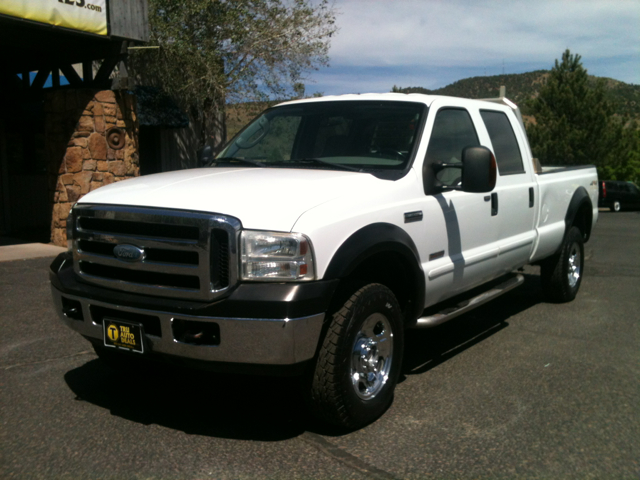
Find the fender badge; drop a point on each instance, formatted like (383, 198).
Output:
(129, 253)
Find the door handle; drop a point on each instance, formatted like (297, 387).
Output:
(531, 197)
(494, 204)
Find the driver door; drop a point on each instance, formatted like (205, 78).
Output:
(463, 256)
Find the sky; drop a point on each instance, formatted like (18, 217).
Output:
(433, 43)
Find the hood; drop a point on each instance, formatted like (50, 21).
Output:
(261, 198)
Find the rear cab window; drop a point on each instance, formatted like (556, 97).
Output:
(504, 141)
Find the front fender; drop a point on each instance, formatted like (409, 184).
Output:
(375, 239)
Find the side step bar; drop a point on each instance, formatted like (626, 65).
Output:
(467, 305)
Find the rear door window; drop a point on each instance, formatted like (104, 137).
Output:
(505, 144)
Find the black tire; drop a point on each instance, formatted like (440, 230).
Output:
(616, 206)
(367, 329)
(562, 273)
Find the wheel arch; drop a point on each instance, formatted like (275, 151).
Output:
(381, 253)
(579, 214)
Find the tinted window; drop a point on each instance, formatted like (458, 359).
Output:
(453, 130)
(505, 145)
(362, 135)
(276, 144)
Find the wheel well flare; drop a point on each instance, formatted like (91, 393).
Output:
(385, 254)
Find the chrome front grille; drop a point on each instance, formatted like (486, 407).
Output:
(184, 254)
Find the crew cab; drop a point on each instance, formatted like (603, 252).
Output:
(325, 230)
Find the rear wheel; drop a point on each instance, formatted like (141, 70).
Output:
(359, 360)
(561, 274)
(616, 207)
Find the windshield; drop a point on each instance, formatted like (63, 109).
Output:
(348, 135)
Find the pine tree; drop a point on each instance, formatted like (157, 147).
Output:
(626, 166)
(574, 122)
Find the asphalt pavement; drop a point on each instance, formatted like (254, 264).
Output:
(518, 388)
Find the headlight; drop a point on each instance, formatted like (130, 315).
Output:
(276, 257)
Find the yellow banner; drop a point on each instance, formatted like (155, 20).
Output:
(75, 14)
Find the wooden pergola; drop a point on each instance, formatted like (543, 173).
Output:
(29, 46)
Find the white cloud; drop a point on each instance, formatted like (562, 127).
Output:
(465, 34)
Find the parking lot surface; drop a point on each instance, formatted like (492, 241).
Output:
(518, 388)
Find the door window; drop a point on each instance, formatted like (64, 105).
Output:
(453, 131)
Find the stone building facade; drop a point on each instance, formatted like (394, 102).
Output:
(92, 140)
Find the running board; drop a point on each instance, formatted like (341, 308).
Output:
(467, 305)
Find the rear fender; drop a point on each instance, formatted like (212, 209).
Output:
(579, 214)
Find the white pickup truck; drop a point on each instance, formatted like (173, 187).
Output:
(321, 233)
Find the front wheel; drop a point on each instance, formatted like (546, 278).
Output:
(359, 360)
(616, 207)
(561, 274)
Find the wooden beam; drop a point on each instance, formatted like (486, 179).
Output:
(122, 81)
(55, 78)
(87, 71)
(71, 75)
(41, 78)
(108, 64)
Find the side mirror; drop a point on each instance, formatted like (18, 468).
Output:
(205, 156)
(479, 170)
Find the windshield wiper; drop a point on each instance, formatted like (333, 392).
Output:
(255, 163)
(324, 162)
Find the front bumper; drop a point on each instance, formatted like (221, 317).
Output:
(242, 339)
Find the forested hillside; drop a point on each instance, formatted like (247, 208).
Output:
(523, 86)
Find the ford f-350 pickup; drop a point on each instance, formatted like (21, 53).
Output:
(320, 234)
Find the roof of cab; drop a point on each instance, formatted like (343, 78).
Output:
(401, 97)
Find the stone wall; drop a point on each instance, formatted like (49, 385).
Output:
(80, 158)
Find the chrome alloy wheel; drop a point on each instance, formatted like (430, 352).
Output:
(371, 356)
(575, 265)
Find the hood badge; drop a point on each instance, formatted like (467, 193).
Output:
(129, 253)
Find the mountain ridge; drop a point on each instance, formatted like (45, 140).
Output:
(521, 87)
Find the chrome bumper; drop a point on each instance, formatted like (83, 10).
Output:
(242, 340)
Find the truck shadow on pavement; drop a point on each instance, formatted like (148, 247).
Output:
(195, 402)
(427, 348)
(268, 408)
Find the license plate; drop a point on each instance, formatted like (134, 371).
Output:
(123, 334)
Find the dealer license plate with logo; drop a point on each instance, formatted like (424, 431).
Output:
(123, 334)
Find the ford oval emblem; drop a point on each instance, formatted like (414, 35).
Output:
(129, 253)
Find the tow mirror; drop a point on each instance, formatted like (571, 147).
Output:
(479, 170)
(205, 155)
(255, 132)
